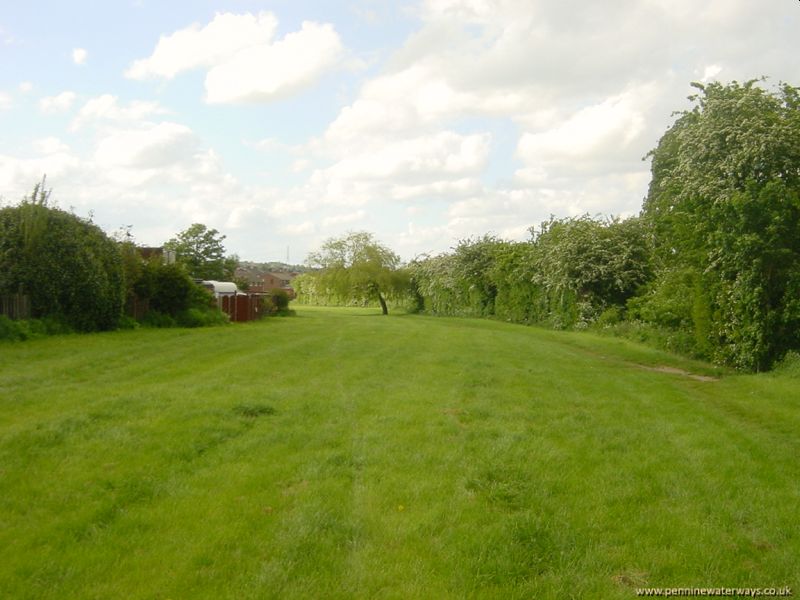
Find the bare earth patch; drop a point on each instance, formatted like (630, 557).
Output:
(676, 371)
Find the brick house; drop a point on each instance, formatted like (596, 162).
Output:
(266, 281)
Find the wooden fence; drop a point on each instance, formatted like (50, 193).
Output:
(15, 306)
(243, 307)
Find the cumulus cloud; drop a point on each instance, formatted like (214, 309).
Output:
(6, 101)
(79, 56)
(51, 145)
(17, 175)
(108, 108)
(196, 46)
(156, 146)
(304, 228)
(578, 96)
(261, 73)
(243, 61)
(60, 103)
(444, 162)
(343, 219)
(595, 138)
(490, 116)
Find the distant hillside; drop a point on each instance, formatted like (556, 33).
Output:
(272, 267)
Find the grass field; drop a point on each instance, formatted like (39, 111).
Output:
(341, 454)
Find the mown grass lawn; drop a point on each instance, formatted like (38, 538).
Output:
(341, 454)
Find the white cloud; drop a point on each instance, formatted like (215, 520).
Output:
(343, 219)
(79, 56)
(710, 72)
(18, 175)
(300, 165)
(444, 163)
(432, 156)
(25, 87)
(244, 63)
(60, 103)
(595, 136)
(6, 101)
(51, 145)
(225, 36)
(108, 108)
(304, 228)
(261, 73)
(152, 147)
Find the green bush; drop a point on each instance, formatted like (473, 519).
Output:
(159, 320)
(610, 316)
(201, 317)
(280, 300)
(66, 265)
(789, 365)
(27, 329)
(127, 322)
(172, 289)
(9, 330)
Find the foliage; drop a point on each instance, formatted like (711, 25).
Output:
(201, 316)
(280, 299)
(567, 274)
(357, 266)
(584, 265)
(174, 298)
(200, 249)
(26, 329)
(789, 365)
(724, 203)
(68, 267)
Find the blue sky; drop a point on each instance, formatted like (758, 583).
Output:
(285, 123)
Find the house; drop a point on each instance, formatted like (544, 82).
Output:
(266, 282)
(150, 252)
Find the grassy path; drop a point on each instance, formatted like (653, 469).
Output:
(341, 454)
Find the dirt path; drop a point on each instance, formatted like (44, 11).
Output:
(676, 371)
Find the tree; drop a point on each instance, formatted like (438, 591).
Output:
(358, 266)
(200, 249)
(67, 266)
(724, 209)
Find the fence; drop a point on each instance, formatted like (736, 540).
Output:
(15, 306)
(243, 307)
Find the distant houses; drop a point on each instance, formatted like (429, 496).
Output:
(265, 282)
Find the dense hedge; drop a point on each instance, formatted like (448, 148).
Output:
(711, 267)
(67, 266)
(566, 275)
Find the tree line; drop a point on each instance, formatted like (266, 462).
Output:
(710, 267)
(75, 277)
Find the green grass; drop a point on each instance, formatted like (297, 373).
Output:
(341, 454)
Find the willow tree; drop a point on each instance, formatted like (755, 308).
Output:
(358, 267)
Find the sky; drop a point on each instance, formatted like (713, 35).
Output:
(282, 124)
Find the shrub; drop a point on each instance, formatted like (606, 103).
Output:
(789, 365)
(27, 329)
(201, 317)
(9, 330)
(280, 300)
(154, 318)
(66, 265)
